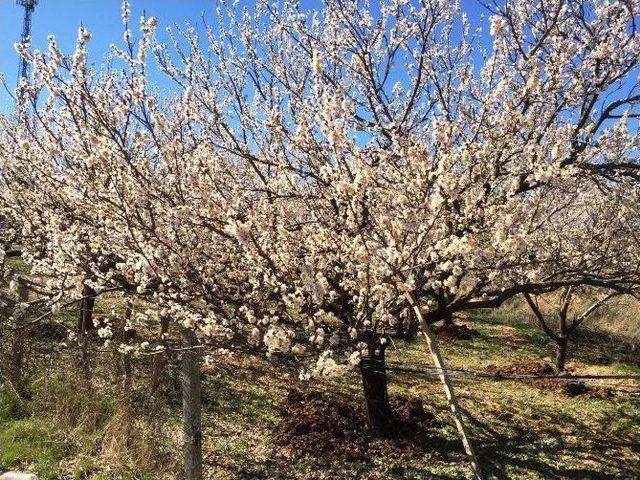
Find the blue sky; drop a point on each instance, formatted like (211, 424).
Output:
(102, 17)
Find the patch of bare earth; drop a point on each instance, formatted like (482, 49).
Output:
(455, 331)
(560, 384)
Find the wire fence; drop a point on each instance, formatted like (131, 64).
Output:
(631, 383)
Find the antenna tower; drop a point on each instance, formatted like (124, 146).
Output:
(29, 7)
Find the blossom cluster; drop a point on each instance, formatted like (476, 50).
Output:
(319, 167)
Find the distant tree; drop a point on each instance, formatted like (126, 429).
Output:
(561, 324)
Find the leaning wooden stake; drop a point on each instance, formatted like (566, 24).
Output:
(448, 387)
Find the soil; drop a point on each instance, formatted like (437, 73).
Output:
(524, 367)
(455, 331)
(570, 389)
(321, 424)
(577, 388)
(313, 422)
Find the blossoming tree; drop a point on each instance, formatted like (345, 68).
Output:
(386, 161)
(318, 169)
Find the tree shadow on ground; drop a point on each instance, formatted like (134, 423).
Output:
(601, 348)
(521, 447)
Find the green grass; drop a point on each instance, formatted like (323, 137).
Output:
(69, 432)
(626, 369)
(18, 264)
(33, 443)
(35, 437)
(12, 408)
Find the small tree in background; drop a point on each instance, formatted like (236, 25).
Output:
(561, 324)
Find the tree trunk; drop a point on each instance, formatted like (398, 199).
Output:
(191, 409)
(374, 382)
(410, 327)
(85, 317)
(563, 339)
(16, 368)
(85, 324)
(561, 354)
(160, 360)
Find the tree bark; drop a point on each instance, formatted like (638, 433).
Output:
(85, 324)
(159, 361)
(410, 326)
(191, 408)
(16, 369)
(85, 317)
(127, 362)
(374, 382)
(561, 354)
(563, 339)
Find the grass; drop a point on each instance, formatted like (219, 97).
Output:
(520, 430)
(58, 424)
(626, 368)
(12, 408)
(32, 443)
(67, 431)
(18, 264)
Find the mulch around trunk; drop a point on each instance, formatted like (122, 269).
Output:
(454, 331)
(313, 422)
(318, 423)
(568, 388)
(525, 367)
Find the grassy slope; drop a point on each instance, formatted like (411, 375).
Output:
(520, 430)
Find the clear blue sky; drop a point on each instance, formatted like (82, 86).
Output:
(102, 17)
